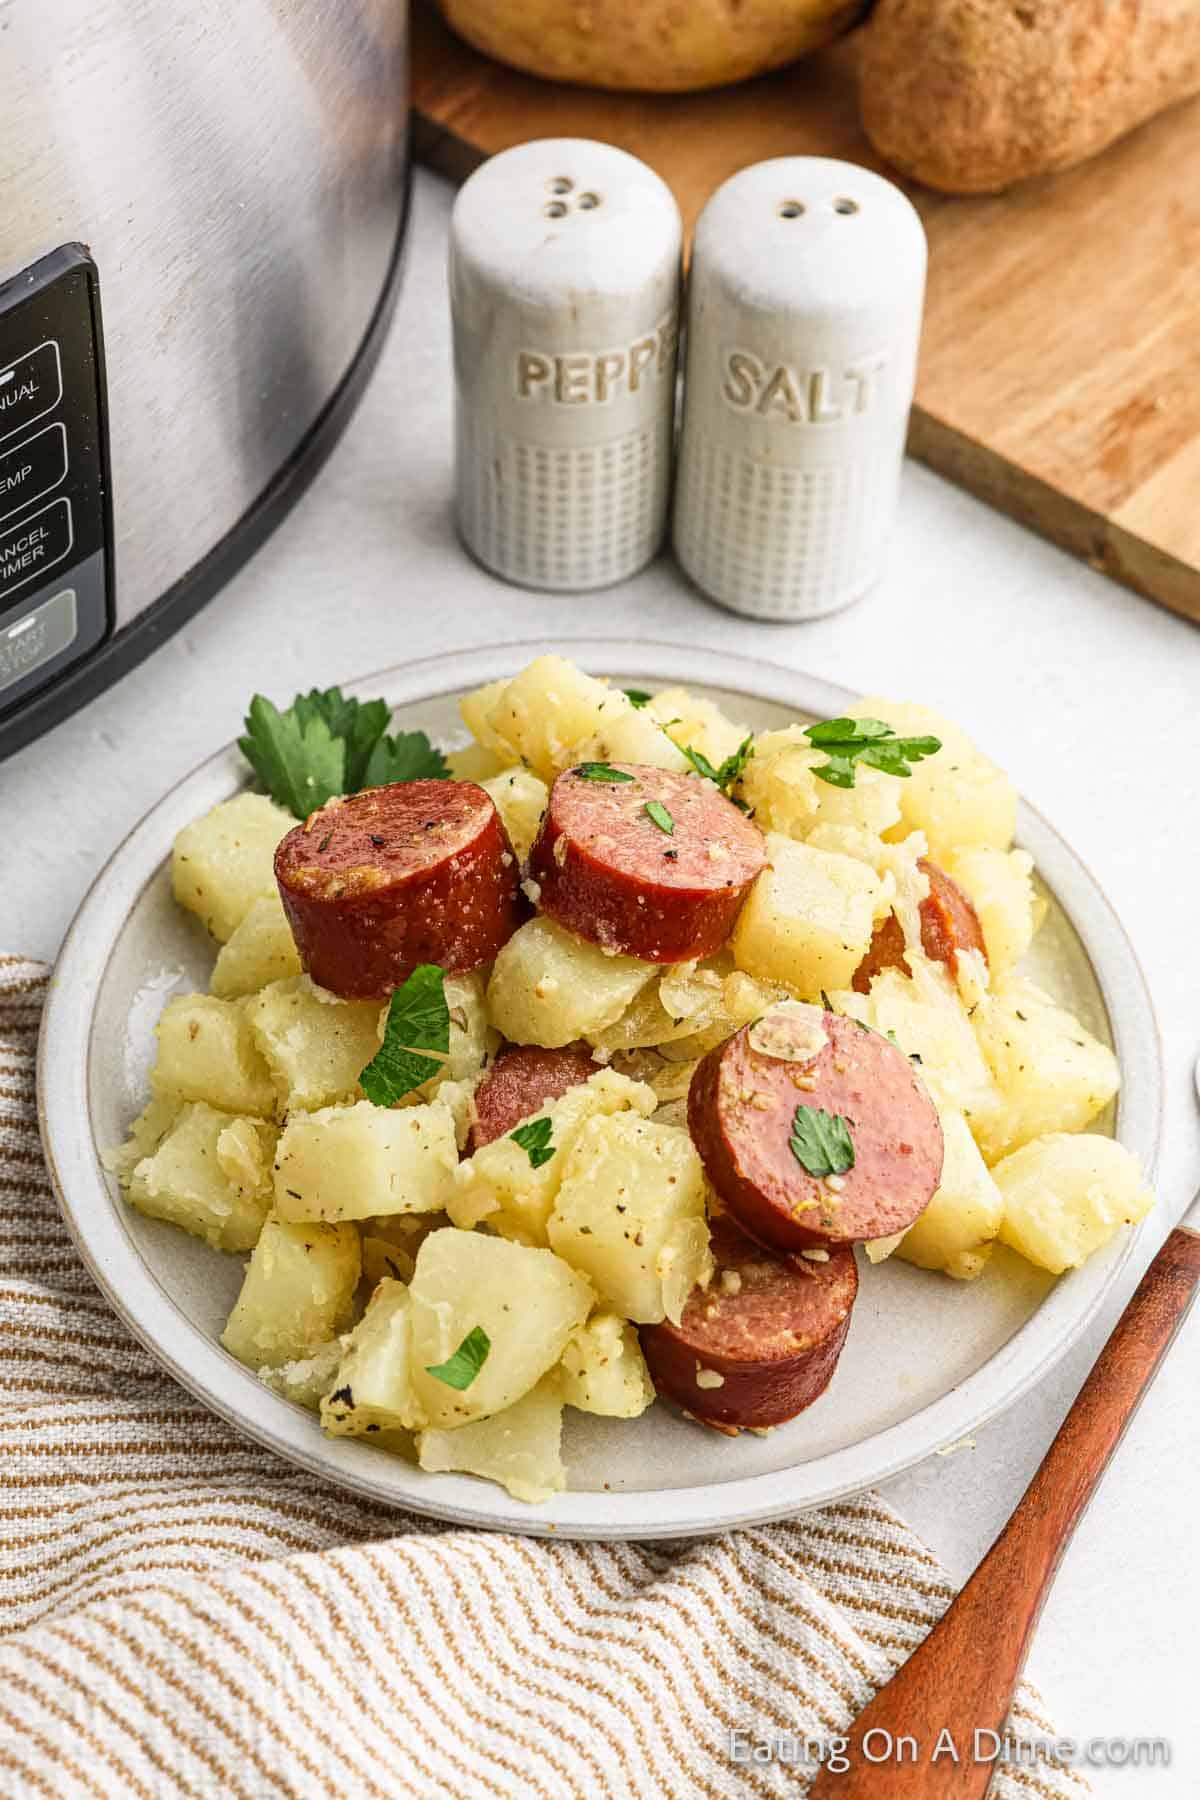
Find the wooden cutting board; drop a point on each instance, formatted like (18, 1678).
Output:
(1060, 364)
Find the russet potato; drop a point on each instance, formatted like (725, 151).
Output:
(520, 798)
(207, 1051)
(371, 1389)
(298, 1292)
(550, 987)
(1066, 1194)
(260, 949)
(354, 1162)
(521, 1447)
(223, 862)
(603, 1369)
(1053, 1074)
(211, 1175)
(315, 1045)
(808, 919)
(957, 1228)
(957, 797)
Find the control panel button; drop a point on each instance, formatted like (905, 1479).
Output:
(31, 468)
(34, 545)
(45, 632)
(29, 387)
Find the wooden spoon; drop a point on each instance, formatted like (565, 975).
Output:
(963, 1675)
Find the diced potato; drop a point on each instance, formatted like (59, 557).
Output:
(306, 1381)
(390, 1245)
(298, 1292)
(957, 797)
(260, 949)
(630, 1213)
(207, 1051)
(1010, 910)
(684, 1000)
(550, 987)
(956, 1230)
(603, 1369)
(1066, 1194)
(476, 709)
(145, 1135)
(315, 1045)
(520, 798)
(545, 711)
(211, 1174)
(223, 862)
(500, 1184)
(520, 1447)
(688, 719)
(353, 1162)
(474, 762)
(528, 1302)
(372, 1389)
(779, 786)
(808, 918)
(1053, 1075)
(628, 734)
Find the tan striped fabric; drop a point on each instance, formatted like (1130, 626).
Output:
(183, 1614)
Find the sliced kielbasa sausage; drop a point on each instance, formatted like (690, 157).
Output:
(761, 1342)
(644, 861)
(377, 882)
(949, 923)
(765, 1106)
(520, 1082)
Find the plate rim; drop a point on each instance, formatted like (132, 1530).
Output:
(207, 1371)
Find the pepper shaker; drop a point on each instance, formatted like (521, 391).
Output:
(565, 260)
(804, 316)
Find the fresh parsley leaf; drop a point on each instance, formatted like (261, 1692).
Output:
(300, 763)
(698, 761)
(359, 723)
(725, 774)
(637, 697)
(534, 1139)
(654, 809)
(460, 1370)
(821, 1142)
(595, 771)
(870, 741)
(409, 756)
(418, 1020)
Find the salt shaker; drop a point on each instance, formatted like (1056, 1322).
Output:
(565, 263)
(804, 315)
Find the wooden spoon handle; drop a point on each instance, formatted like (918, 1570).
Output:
(963, 1676)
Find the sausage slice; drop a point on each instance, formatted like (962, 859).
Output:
(520, 1082)
(377, 882)
(649, 863)
(761, 1342)
(949, 923)
(742, 1114)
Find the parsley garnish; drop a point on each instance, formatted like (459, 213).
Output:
(418, 1020)
(821, 1142)
(460, 1370)
(599, 772)
(654, 809)
(325, 744)
(534, 1139)
(869, 741)
(636, 697)
(724, 774)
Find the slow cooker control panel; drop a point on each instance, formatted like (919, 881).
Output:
(55, 541)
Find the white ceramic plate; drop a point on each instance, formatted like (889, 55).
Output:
(927, 1360)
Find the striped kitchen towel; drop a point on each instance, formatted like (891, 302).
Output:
(185, 1614)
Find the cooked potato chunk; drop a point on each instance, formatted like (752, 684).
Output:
(476, 709)
(957, 797)
(145, 1135)
(223, 862)
(306, 1381)
(1065, 1195)
(315, 1045)
(261, 949)
(956, 1230)
(298, 1292)
(206, 1051)
(353, 1162)
(1053, 1075)
(779, 786)
(630, 1214)
(527, 1302)
(520, 798)
(372, 1389)
(211, 1174)
(688, 719)
(520, 1447)
(627, 734)
(474, 763)
(808, 918)
(549, 987)
(603, 1369)
(1010, 910)
(545, 711)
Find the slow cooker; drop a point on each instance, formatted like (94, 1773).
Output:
(204, 207)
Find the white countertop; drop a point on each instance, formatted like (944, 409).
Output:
(1085, 692)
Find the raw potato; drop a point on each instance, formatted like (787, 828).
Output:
(783, 793)
(520, 798)
(372, 1388)
(808, 918)
(603, 1370)
(527, 1301)
(630, 1214)
(499, 1183)
(521, 1448)
(306, 1381)
(222, 863)
(206, 1051)
(353, 1162)
(1010, 910)
(1053, 1075)
(1066, 1194)
(261, 949)
(956, 1230)
(298, 1293)
(687, 719)
(658, 46)
(550, 987)
(957, 797)
(316, 1046)
(545, 711)
(211, 1175)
